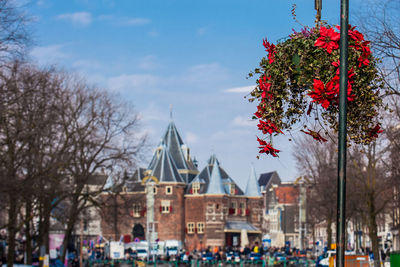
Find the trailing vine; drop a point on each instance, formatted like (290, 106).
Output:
(298, 87)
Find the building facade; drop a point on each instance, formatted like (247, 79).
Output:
(172, 200)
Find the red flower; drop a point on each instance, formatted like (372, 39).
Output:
(270, 48)
(353, 33)
(320, 94)
(373, 133)
(315, 135)
(363, 60)
(260, 111)
(328, 39)
(356, 35)
(267, 148)
(268, 127)
(336, 63)
(265, 87)
(335, 83)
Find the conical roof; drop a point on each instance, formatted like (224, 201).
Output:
(215, 186)
(212, 160)
(174, 142)
(165, 169)
(252, 187)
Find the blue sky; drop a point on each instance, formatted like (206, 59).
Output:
(193, 55)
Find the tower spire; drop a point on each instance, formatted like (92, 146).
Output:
(170, 112)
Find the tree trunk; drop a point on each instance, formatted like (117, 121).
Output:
(12, 221)
(28, 210)
(115, 218)
(329, 232)
(68, 232)
(46, 225)
(373, 234)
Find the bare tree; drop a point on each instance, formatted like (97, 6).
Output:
(372, 186)
(380, 21)
(28, 109)
(56, 136)
(105, 137)
(319, 163)
(14, 36)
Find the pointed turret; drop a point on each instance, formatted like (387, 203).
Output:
(174, 142)
(252, 188)
(212, 160)
(165, 169)
(178, 151)
(215, 186)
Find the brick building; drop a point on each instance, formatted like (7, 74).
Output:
(172, 200)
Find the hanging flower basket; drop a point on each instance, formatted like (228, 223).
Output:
(298, 87)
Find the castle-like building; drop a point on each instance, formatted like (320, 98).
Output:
(172, 200)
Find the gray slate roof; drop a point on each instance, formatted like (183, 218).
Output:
(215, 186)
(174, 143)
(134, 184)
(252, 187)
(204, 177)
(265, 178)
(165, 169)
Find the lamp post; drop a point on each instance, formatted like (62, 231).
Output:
(341, 196)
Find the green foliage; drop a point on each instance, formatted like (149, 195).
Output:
(290, 100)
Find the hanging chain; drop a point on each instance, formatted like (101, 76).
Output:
(318, 7)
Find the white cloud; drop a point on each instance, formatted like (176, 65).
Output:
(243, 89)
(243, 121)
(41, 3)
(86, 64)
(78, 18)
(148, 63)
(49, 54)
(136, 21)
(127, 21)
(135, 82)
(153, 113)
(219, 135)
(191, 138)
(202, 73)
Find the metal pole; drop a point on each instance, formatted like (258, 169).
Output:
(81, 244)
(341, 197)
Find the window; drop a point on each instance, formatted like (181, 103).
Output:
(242, 209)
(168, 190)
(200, 227)
(233, 189)
(232, 209)
(165, 206)
(190, 228)
(196, 188)
(155, 190)
(136, 210)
